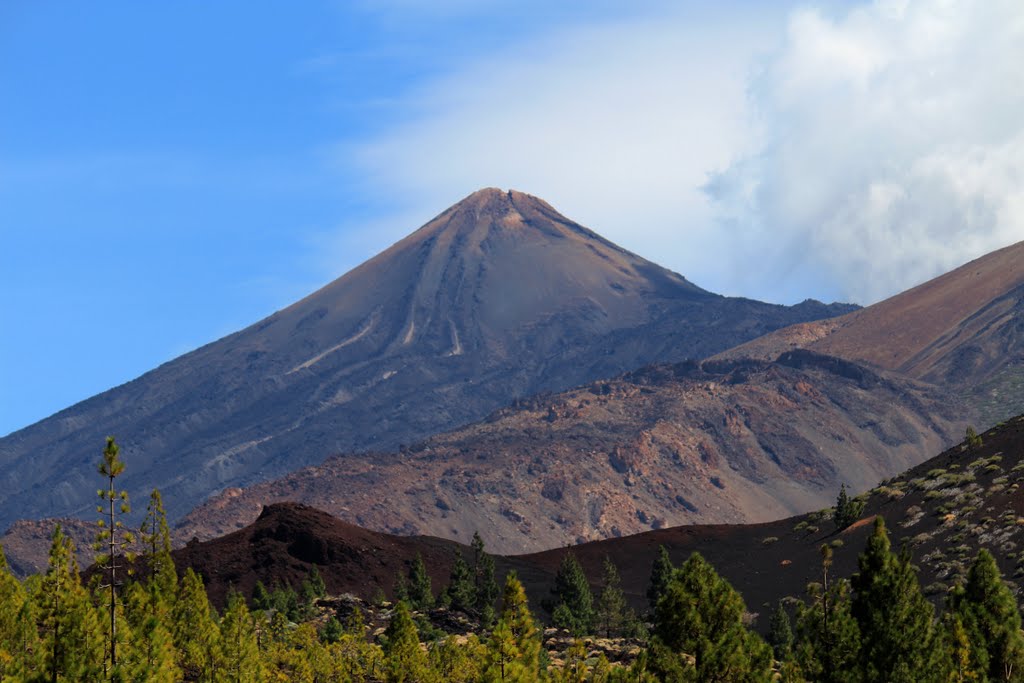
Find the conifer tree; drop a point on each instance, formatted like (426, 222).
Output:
(455, 663)
(612, 610)
(780, 632)
(661, 575)
(156, 539)
(421, 593)
(827, 643)
(700, 614)
(112, 540)
(486, 588)
(152, 656)
(261, 599)
(893, 616)
(238, 657)
(513, 654)
(972, 440)
(461, 591)
(404, 661)
(194, 631)
(26, 647)
(73, 648)
(574, 669)
(957, 652)
(847, 511)
(573, 606)
(12, 601)
(989, 613)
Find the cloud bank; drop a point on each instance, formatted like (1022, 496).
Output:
(892, 146)
(842, 156)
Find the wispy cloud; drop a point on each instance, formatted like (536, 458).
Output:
(843, 155)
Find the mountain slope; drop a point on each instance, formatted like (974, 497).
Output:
(943, 511)
(963, 330)
(683, 444)
(498, 297)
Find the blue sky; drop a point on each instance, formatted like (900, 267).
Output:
(172, 172)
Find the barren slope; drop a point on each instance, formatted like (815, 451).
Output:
(943, 510)
(963, 330)
(683, 444)
(497, 297)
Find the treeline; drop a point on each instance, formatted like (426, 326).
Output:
(873, 627)
(158, 625)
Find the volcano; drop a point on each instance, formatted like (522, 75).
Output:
(497, 298)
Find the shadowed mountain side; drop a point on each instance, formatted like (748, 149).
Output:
(963, 330)
(681, 444)
(496, 298)
(943, 510)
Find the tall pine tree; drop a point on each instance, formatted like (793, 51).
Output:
(421, 593)
(573, 604)
(701, 615)
(404, 660)
(112, 541)
(238, 657)
(612, 611)
(893, 616)
(513, 654)
(73, 647)
(989, 613)
(194, 631)
(661, 575)
(486, 588)
(827, 647)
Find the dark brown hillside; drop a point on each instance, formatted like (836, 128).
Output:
(943, 510)
(963, 330)
(496, 298)
(668, 445)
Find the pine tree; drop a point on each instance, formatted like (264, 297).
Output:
(12, 601)
(73, 648)
(573, 606)
(612, 611)
(780, 633)
(894, 618)
(152, 656)
(26, 647)
(194, 631)
(574, 669)
(513, 654)
(827, 644)
(486, 588)
(238, 657)
(421, 593)
(403, 658)
(155, 536)
(455, 663)
(113, 538)
(661, 575)
(700, 614)
(847, 511)
(972, 440)
(461, 591)
(957, 651)
(991, 618)
(261, 600)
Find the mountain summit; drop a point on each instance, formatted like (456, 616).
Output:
(497, 298)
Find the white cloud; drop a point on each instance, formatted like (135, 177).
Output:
(892, 148)
(843, 156)
(615, 124)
